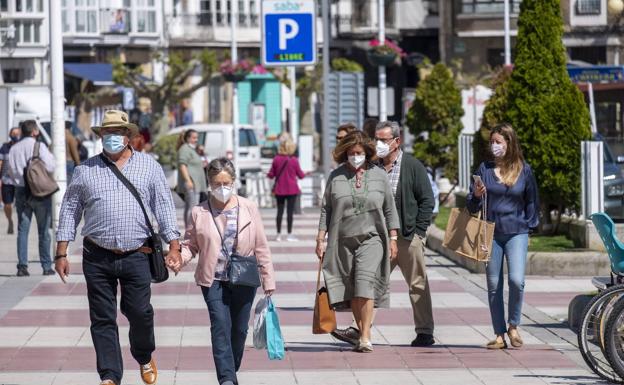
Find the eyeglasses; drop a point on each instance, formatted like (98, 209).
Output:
(385, 140)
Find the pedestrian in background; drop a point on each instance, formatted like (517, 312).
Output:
(413, 197)
(19, 156)
(360, 219)
(508, 187)
(7, 188)
(191, 175)
(285, 169)
(223, 225)
(72, 156)
(115, 247)
(369, 127)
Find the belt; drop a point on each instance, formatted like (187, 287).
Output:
(142, 249)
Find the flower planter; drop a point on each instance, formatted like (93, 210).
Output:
(235, 77)
(381, 59)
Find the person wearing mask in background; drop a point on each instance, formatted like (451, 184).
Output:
(7, 188)
(191, 175)
(413, 198)
(285, 169)
(341, 132)
(115, 249)
(225, 224)
(72, 156)
(360, 219)
(369, 126)
(508, 186)
(19, 156)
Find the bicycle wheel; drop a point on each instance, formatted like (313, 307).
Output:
(589, 338)
(614, 338)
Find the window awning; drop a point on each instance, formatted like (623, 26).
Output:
(101, 74)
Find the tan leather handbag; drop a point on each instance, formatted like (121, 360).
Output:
(324, 320)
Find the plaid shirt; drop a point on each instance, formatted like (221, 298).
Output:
(394, 173)
(113, 217)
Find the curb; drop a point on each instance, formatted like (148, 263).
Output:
(569, 263)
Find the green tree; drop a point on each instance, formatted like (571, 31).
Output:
(435, 120)
(544, 106)
(175, 86)
(493, 114)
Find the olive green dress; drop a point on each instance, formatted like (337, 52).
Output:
(357, 221)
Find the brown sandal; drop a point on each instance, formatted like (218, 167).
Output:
(515, 339)
(494, 344)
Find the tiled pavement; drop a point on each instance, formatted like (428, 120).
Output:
(45, 339)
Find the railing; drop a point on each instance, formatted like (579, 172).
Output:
(217, 19)
(258, 189)
(489, 6)
(588, 7)
(465, 160)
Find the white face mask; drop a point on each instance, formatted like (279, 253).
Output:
(357, 160)
(497, 149)
(383, 149)
(222, 193)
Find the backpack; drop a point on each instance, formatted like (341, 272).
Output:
(38, 181)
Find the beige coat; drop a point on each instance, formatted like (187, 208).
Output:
(202, 239)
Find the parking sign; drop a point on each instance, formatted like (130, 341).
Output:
(288, 32)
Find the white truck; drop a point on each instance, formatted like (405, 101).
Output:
(20, 102)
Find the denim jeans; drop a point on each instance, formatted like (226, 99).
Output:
(42, 208)
(514, 247)
(229, 307)
(103, 270)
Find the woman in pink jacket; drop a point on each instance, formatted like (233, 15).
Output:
(221, 225)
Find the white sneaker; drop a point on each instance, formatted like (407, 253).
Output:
(292, 238)
(278, 238)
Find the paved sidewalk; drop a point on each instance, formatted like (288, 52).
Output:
(45, 339)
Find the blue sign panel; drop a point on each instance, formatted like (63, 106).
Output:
(596, 74)
(288, 33)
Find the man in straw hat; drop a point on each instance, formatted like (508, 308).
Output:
(114, 247)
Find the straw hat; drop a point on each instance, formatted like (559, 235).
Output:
(116, 118)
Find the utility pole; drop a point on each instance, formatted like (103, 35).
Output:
(58, 106)
(234, 49)
(326, 128)
(382, 69)
(507, 34)
(294, 127)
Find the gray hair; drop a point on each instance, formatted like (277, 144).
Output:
(219, 165)
(394, 126)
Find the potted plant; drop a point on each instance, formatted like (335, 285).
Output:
(384, 54)
(236, 72)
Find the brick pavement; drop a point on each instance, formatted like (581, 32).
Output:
(45, 339)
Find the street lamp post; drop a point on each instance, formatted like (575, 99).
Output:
(234, 49)
(326, 135)
(507, 34)
(382, 69)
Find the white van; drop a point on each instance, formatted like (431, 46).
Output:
(218, 141)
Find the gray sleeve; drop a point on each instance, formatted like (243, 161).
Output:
(326, 206)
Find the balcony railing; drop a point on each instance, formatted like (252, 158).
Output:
(212, 19)
(489, 6)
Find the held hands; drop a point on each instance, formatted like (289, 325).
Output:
(174, 260)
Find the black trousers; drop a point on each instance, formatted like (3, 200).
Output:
(289, 200)
(103, 270)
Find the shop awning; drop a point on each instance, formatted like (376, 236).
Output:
(101, 74)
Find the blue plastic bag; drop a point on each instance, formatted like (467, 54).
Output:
(275, 342)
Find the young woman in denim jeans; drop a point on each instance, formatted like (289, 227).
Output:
(508, 185)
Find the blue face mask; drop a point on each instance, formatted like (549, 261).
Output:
(113, 144)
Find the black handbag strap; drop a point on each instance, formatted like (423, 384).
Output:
(281, 171)
(235, 245)
(130, 188)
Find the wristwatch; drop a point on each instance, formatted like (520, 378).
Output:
(394, 238)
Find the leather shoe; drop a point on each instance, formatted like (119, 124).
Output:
(494, 344)
(349, 335)
(22, 272)
(514, 338)
(423, 339)
(149, 373)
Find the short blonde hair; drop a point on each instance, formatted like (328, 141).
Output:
(287, 147)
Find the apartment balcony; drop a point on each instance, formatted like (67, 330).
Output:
(358, 18)
(213, 28)
(484, 18)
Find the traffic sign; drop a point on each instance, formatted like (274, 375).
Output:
(288, 32)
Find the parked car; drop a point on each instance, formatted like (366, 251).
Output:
(613, 181)
(218, 141)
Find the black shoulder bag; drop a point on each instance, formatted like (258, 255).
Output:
(241, 270)
(158, 269)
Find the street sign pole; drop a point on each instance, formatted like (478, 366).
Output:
(294, 127)
(57, 93)
(325, 126)
(507, 34)
(234, 58)
(382, 69)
